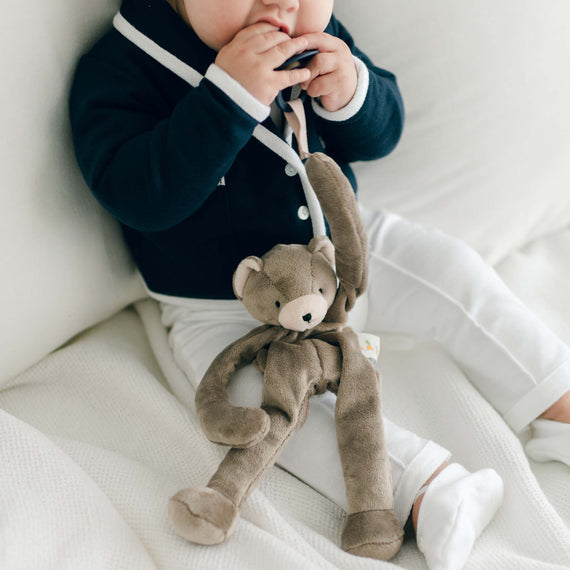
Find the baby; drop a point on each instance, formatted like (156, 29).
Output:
(177, 134)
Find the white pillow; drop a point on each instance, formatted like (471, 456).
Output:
(64, 266)
(485, 153)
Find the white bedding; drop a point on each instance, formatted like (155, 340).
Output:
(96, 436)
(94, 442)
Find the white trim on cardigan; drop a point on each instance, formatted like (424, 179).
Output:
(355, 104)
(239, 94)
(177, 66)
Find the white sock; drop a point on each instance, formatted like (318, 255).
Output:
(550, 442)
(456, 507)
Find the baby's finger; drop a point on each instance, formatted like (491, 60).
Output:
(322, 86)
(290, 77)
(323, 42)
(321, 64)
(262, 43)
(280, 52)
(263, 36)
(258, 29)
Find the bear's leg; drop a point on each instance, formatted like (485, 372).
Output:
(372, 529)
(207, 515)
(202, 515)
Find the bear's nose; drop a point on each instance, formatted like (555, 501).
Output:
(303, 313)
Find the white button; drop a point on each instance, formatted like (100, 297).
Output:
(303, 213)
(290, 170)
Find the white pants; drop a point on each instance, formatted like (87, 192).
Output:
(421, 283)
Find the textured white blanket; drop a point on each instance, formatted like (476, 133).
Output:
(94, 442)
(97, 436)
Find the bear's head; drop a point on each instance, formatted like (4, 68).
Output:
(291, 285)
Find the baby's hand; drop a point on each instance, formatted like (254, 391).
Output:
(254, 53)
(333, 72)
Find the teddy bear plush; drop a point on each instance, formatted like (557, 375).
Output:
(304, 348)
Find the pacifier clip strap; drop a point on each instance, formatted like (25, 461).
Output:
(296, 120)
(298, 123)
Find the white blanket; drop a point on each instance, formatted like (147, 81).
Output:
(94, 441)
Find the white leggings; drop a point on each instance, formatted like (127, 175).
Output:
(422, 283)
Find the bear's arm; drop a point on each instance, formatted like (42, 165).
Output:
(347, 232)
(221, 421)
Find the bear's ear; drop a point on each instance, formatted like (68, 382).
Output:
(324, 245)
(245, 267)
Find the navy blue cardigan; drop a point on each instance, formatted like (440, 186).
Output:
(178, 167)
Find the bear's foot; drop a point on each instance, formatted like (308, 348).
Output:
(373, 534)
(202, 515)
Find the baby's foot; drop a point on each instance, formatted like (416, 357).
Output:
(550, 442)
(456, 507)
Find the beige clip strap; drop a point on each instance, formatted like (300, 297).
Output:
(297, 121)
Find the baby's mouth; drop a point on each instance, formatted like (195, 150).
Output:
(274, 22)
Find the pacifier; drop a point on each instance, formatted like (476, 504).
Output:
(294, 92)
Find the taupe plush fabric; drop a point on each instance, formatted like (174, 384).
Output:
(347, 231)
(304, 349)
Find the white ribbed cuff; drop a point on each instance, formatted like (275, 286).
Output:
(420, 469)
(539, 399)
(237, 93)
(355, 104)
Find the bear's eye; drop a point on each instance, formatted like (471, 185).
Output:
(320, 291)
(277, 304)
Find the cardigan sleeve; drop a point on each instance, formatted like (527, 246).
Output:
(152, 166)
(375, 128)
